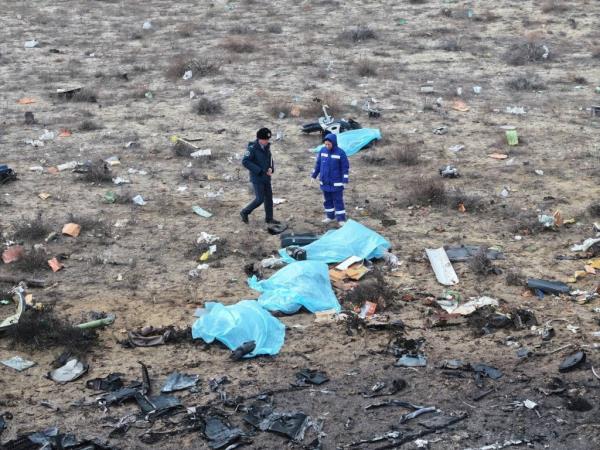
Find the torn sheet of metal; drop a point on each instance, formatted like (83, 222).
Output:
(19, 299)
(442, 267)
(179, 381)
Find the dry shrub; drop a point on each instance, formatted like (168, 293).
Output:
(238, 44)
(471, 202)
(187, 30)
(406, 154)
(90, 224)
(427, 191)
(200, 66)
(526, 82)
(365, 67)
(594, 209)
(241, 29)
(207, 107)
(89, 125)
(554, 6)
(32, 229)
(480, 264)
(279, 105)
(315, 108)
(530, 49)
(33, 261)
(526, 222)
(358, 34)
(196, 250)
(97, 172)
(275, 28)
(487, 15)
(515, 278)
(41, 329)
(372, 288)
(452, 44)
(83, 95)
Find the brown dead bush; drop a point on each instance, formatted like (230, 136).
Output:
(427, 191)
(31, 229)
(530, 49)
(238, 44)
(200, 66)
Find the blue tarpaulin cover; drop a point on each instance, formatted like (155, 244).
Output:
(301, 284)
(235, 324)
(353, 239)
(354, 140)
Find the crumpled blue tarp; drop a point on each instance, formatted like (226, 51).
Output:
(235, 324)
(354, 140)
(301, 284)
(353, 239)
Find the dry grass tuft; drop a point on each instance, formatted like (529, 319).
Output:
(207, 107)
(554, 6)
(358, 34)
(90, 125)
(200, 66)
(238, 44)
(41, 329)
(530, 49)
(406, 154)
(365, 67)
(97, 172)
(526, 82)
(32, 229)
(427, 191)
(34, 261)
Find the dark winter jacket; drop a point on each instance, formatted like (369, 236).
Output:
(258, 161)
(332, 166)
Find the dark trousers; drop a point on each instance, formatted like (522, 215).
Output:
(263, 193)
(334, 205)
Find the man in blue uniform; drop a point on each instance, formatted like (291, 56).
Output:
(259, 161)
(332, 165)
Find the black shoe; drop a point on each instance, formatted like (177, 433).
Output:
(273, 221)
(244, 217)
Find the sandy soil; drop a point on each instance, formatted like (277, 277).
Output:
(138, 269)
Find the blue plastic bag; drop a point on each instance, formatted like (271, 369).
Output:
(235, 324)
(301, 284)
(354, 140)
(353, 239)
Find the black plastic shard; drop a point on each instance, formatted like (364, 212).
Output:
(288, 424)
(488, 371)
(179, 381)
(109, 383)
(441, 421)
(219, 433)
(548, 287)
(244, 349)
(572, 361)
(311, 376)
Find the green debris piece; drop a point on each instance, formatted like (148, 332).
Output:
(402, 21)
(201, 212)
(512, 137)
(110, 197)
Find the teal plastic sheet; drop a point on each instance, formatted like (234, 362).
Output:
(235, 324)
(301, 284)
(353, 239)
(355, 140)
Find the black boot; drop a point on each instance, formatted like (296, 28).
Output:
(273, 221)
(244, 217)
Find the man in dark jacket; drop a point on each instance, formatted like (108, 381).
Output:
(259, 161)
(333, 167)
